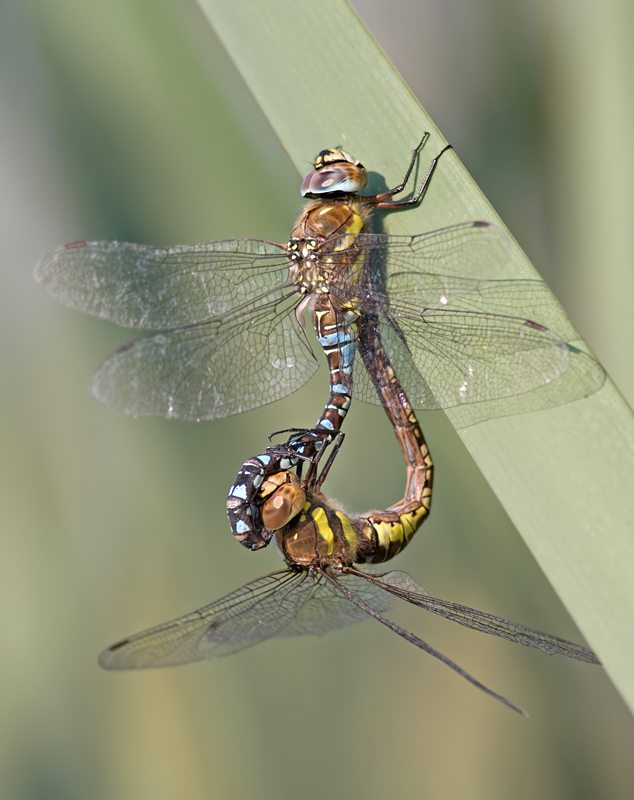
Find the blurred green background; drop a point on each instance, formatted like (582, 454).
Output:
(124, 119)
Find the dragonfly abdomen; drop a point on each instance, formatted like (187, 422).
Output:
(336, 333)
(388, 532)
(385, 533)
(259, 477)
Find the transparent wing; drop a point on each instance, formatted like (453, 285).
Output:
(437, 267)
(255, 612)
(458, 339)
(418, 390)
(402, 585)
(483, 364)
(413, 639)
(325, 609)
(211, 370)
(482, 360)
(284, 603)
(531, 299)
(139, 286)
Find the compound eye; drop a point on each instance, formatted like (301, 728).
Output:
(339, 177)
(284, 504)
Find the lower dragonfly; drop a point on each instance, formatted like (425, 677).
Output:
(320, 589)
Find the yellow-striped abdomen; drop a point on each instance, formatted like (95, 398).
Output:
(385, 533)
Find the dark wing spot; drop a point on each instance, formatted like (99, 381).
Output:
(535, 325)
(118, 645)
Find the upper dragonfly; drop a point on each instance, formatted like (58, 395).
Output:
(228, 317)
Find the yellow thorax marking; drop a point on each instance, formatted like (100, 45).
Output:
(305, 509)
(348, 531)
(323, 528)
(353, 226)
(358, 264)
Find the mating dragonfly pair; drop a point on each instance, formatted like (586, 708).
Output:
(405, 321)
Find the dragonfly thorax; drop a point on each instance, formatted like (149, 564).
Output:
(324, 244)
(320, 535)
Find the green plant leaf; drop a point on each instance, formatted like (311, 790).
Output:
(565, 476)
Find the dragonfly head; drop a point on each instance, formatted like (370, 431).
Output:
(284, 503)
(335, 172)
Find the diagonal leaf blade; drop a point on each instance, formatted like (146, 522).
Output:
(564, 476)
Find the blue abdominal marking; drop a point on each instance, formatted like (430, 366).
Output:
(332, 339)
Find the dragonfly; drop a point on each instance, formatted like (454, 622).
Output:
(320, 589)
(227, 328)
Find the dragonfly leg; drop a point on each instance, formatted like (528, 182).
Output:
(397, 189)
(331, 459)
(412, 201)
